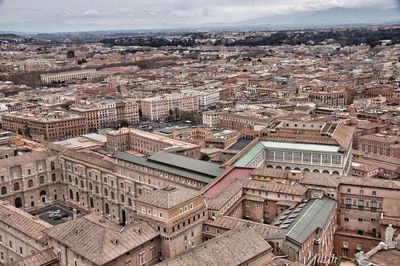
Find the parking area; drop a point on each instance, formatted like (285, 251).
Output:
(54, 214)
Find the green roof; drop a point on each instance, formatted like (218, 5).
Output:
(314, 214)
(168, 166)
(187, 163)
(248, 157)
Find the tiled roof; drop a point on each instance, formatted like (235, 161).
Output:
(236, 247)
(168, 197)
(230, 223)
(23, 222)
(295, 189)
(45, 257)
(216, 203)
(99, 240)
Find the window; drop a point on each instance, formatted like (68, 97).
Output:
(218, 231)
(349, 190)
(348, 201)
(16, 186)
(359, 247)
(374, 204)
(345, 244)
(361, 204)
(141, 258)
(3, 190)
(360, 219)
(143, 210)
(193, 244)
(361, 192)
(346, 219)
(248, 204)
(373, 193)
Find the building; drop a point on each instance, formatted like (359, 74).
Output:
(160, 107)
(302, 146)
(239, 122)
(99, 114)
(20, 234)
(148, 143)
(52, 78)
(93, 240)
(380, 144)
(211, 118)
(45, 125)
(237, 247)
(177, 214)
(330, 98)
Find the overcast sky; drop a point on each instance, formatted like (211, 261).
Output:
(70, 15)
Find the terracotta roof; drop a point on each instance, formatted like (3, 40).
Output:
(230, 223)
(82, 156)
(168, 197)
(42, 258)
(98, 240)
(23, 222)
(343, 135)
(295, 189)
(236, 247)
(217, 202)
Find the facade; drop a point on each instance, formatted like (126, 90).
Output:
(380, 144)
(20, 234)
(211, 118)
(105, 113)
(86, 74)
(147, 143)
(49, 126)
(305, 146)
(330, 98)
(160, 107)
(239, 122)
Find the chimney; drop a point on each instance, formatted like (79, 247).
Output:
(74, 214)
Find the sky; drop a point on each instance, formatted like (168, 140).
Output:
(81, 15)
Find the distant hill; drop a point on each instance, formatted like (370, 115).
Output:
(329, 17)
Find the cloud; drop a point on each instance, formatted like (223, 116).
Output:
(134, 14)
(92, 12)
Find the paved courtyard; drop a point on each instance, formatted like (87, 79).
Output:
(43, 213)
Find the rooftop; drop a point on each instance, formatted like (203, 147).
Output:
(168, 197)
(100, 240)
(236, 247)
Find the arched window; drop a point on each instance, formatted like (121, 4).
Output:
(122, 198)
(82, 186)
(97, 189)
(91, 203)
(30, 183)
(52, 166)
(41, 180)
(306, 170)
(18, 202)
(53, 177)
(315, 171)
(70, 178)
(130, 202)
(335, 173)
(107, 209)
(279, 167)
(77, 196)
(112, 195)
(3, 190)
(16, 186)
(90, 186)
(325, 172)
(76, 181)
(105, 192)
(71, 194)
(270, 166)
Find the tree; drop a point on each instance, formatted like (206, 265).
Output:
(27, 131)
(204, 157)
(124, 123)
